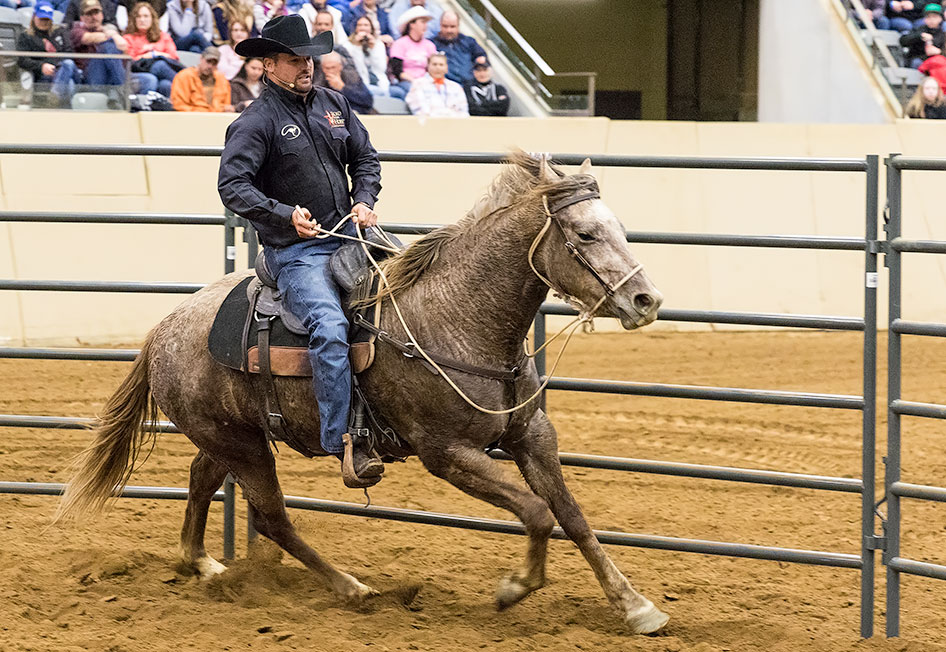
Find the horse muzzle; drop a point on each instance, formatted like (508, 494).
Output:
(639, 310)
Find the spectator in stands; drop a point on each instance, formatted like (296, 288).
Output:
(191, 24)
(17, 4)
(878, 13)
(311, 10)
(370, 59)
(927, 40)
(409, 54)
(228, 12)
(331, 74)
(40, 36)
(905, 15)
(462, 51)
(91, 35)
(230, 61)
(400, 6)
(483, 95)
(264, 10)
(155, 54)
(928, 101)
(202, 88)
(325, 22)
(73, 12)
(435, 96)
(935, 67)
(247, 84)
(383, 27)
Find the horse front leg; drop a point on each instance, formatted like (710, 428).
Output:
(471, 470)
(536, 454)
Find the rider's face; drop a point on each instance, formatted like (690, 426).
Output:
(285, 68)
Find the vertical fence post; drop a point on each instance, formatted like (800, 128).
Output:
(229, 501)
(252, 244)
(869, 434)
(892, 461)
(229, 242)
(538, 339)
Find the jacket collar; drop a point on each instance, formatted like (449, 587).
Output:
(287, 96)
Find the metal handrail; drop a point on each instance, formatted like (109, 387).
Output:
(893, 101)
(536, 67)
(63, 55)
(868, 21)
(517, 37)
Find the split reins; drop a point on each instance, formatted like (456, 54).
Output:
(586, 315)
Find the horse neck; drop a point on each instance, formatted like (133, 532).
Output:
(485, 286)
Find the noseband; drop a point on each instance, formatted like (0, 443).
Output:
(550, 212)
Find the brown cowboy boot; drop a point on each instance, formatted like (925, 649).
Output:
(361, 468)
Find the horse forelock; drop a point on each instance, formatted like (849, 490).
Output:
(520, 184)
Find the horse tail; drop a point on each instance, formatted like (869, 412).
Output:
(104, 467)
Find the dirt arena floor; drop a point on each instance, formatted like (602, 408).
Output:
(112, 586)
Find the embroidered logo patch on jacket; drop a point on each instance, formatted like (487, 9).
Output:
(334, 118)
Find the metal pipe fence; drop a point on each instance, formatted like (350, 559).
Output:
(864, 561)
(895, 489)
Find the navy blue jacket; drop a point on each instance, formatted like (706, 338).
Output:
(461, 53)
(285, 150)
(383, 22)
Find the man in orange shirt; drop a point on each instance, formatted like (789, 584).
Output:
(202, 88)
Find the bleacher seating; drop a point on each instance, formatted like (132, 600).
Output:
(10, 28)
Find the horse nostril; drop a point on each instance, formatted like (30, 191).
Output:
(644, 303)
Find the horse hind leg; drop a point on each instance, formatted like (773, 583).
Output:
(536, 454)
(475, 473)
(205, 478)
(255, 471)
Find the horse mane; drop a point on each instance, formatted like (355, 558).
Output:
(520, 182)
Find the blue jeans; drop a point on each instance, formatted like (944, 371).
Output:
(65, 78)
(158, 78)
(105, 72)
(310, 292)
(394, 91)
(193, 42)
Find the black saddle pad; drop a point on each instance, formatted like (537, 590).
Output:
(226, 334)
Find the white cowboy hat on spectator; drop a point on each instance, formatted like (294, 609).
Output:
(412, 14)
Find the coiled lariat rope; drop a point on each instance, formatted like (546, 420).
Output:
(585, 316)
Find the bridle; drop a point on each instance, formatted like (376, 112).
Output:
(572, 248)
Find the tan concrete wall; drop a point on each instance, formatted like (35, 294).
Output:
(765, 280)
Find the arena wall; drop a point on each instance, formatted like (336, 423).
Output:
(750, 202)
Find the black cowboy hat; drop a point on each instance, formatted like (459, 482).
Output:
(286, 35)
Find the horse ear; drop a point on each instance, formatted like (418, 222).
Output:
(585, 167)
(546, 173)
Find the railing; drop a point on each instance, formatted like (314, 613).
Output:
(548, 87)
(863, 562)
(895, 489)
(886, 68)
(28, 90)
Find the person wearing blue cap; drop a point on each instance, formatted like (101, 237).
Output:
(40, 36)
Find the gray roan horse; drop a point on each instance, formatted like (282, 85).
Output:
(468, 292)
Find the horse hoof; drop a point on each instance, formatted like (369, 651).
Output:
(356, 592)
(511, 590)
(647, 619)
(208, 567)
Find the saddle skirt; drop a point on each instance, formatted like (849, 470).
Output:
(235, 330)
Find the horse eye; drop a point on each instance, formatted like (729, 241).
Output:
(585, 237)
